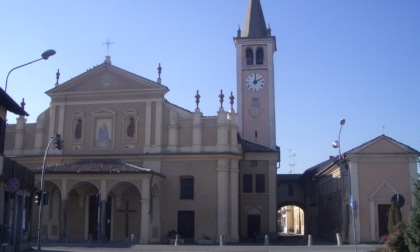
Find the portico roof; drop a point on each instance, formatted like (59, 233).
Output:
(96, 167)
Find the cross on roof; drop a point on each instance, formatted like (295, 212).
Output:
(107, 43)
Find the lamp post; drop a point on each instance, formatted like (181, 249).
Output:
(337, 144)
(45, 55)
(57, 143)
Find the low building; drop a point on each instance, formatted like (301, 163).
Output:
(16, 189)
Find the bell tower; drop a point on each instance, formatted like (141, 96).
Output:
(255, 49)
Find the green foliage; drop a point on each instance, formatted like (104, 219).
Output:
(396, 240)
(412, 231)
(394, 217)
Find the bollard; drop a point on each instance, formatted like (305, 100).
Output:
(338, 239)
(266, 240)
(176, 240)
(221, 242)
(309, 240)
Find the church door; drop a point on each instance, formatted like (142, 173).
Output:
(383, 218)
(186, 225)
(108, 218)
(254, 225)
(93, 217)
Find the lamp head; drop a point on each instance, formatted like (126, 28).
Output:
(45, 55)
(342, 121)
(336, 144)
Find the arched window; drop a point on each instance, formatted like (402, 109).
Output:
(249, 56)
(260, 56)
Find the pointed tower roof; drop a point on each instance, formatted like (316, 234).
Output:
(254, 25)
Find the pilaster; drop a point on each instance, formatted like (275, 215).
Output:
(197, 137)
(158, 127)
(148, 126)
(145, 207)
(234, 201)
(222, 196)
(222, 130)
(19, 136)
(173, 132)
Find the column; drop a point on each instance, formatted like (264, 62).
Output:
(272, 201)
(222, 130)
(222, 220)
(102, 221)
(233, 131)
(148, 126)
(197, 137)
(234, 201)
(39, 134)
(20, 130)
(158, 127)
(145, 207)
(51, 127)
(63, 220)
(173, 131)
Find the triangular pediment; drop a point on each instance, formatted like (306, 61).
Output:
(107, 78)
(382, 144)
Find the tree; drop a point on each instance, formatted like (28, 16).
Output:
(412, 230)
(396, 229)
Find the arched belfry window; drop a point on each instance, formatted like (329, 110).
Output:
(260, 56)
(249, 56)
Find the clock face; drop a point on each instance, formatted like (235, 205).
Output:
(255, 82)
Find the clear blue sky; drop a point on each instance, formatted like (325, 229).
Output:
(354, 59)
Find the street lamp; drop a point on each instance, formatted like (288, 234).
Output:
(57, 144)
(337, 144)
(45, 55)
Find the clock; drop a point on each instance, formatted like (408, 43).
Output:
(255, 82)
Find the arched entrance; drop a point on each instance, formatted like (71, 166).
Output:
(291, 220)
(83, 212)
(124, 215)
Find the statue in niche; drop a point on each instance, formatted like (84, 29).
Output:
(131, 128)
(78, 130)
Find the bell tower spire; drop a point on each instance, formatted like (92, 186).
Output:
(254, 25)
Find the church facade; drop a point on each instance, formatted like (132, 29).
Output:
(135, 166)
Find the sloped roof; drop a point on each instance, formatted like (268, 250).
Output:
(248, 146)
(254, 25)
(107, 78)
(381, 137)
(10, 105)
(323, 166)
(96, 167)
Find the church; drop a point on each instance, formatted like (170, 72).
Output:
(136, 166)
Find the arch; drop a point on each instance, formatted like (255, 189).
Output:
(249, 56)
(260, 56)
(124, 213)
(291, 216)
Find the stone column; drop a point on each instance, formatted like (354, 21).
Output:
(222, 197)
(272, 192)
(197, 131)
(148, 126)
(145, 207)
(158, 127)
(222, 130)
(20, 134)
(102, 221)
(63, 220)
(234, 201)
(173, 132)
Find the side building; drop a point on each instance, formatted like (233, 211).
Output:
(353, 199)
